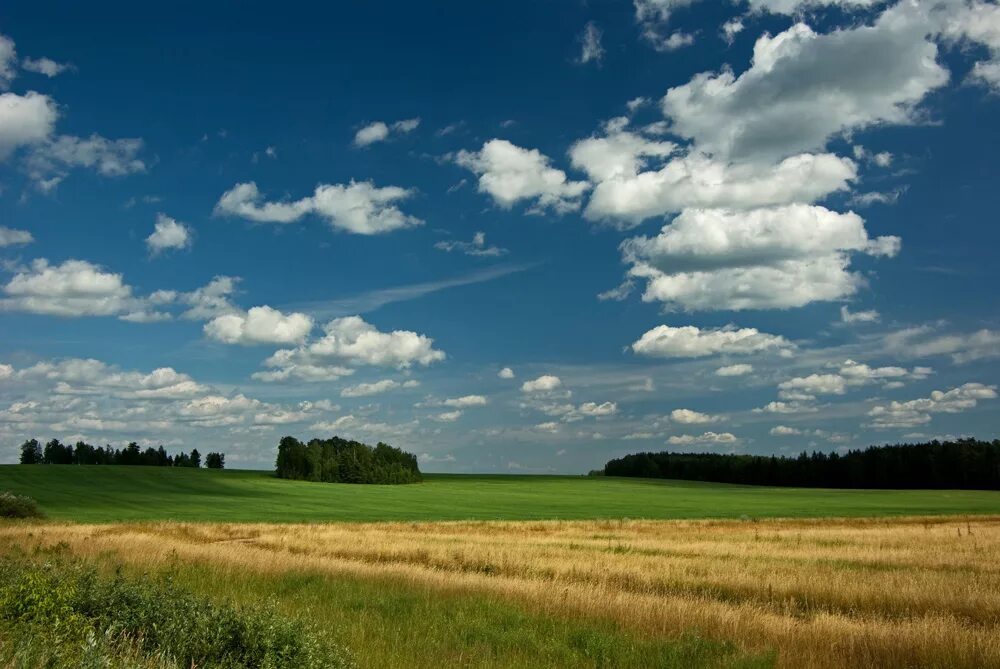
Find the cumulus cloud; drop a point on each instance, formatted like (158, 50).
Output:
(925, 342)
(734, 370)
(765, 258)
(466, 401)
(849, 374)
(704, 438)
(629, 196)
(544, 383)
(358, 207)
(918, 412)
(447, 416)
(477, 247)
(380, 131)
(506, 373)
(376, 387)
(260, 325)
(25, 120)
(590, 45)
(49, 162)
(346, 343)
(46, 66)
(804, 88)
(509, 174)
(689, 341)
(653, 17)
(852, 317)
(689, 417)
(14, 237)
(168, 233)
(74, 288)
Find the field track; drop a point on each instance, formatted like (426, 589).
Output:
(900, 592)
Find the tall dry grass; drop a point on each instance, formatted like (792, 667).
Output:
(824, 593)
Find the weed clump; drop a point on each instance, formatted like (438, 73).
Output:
(18, 506)
(58, 612)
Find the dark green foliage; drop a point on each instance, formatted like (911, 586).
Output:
(215, 461)
(963, 464)
(31, 452)
(339, 460)
(70, 606)
(57, 453)
(18, 506)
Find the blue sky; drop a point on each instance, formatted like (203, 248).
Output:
(520, 237)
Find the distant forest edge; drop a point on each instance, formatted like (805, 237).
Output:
(339, 460)
(56, 453)
(962, 464)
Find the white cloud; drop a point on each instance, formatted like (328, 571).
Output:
(544, 383)
(477, 247)
(676, 40)
(849, 317)
(376, 388)
(653, 16)
(13, 237)
(447, 416)
(74, 288)
(923, 342)
(734, 370)
(260, 325)
(689, 341)
(786, 408)
(8, 61)
(689, 417)
(704, 438)
(466, 401)
(731, 28)
(918, 412)
(49, 162)
(380, 131)
(168, 234)
(628, 197)
(806, 388)
(765, 258)
(349, 342)
(977, 22)
(506, 373)
(46, 66)
(24, 120)
(358, 207)
(785, 431)
(595, 410)
(509, 174)
(590, 44)
(804, 88)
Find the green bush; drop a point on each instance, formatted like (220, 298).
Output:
(62, 613)
(18, 506)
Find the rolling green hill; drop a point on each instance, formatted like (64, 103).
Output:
(100, 494)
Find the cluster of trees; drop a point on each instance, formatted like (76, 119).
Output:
(56, 453)
(965, 463)
(339, 460)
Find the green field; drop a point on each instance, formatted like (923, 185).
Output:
(107, 494)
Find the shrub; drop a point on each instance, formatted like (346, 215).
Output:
(18, 506)
(72, 612)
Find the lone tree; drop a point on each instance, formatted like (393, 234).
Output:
(31, 452)
(215, 461)
(195, 458)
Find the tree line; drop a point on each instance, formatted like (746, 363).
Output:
(339, 460)
(964, 463)
(56, 453)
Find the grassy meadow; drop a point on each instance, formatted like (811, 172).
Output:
(546, 571)
(109, 494)
(920, 592)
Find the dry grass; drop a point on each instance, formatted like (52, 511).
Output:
(825, 593)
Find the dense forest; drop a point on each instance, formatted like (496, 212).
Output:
(56, 453)
(965, 463)
(339, 460)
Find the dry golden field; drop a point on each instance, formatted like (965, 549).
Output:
(913, 592)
